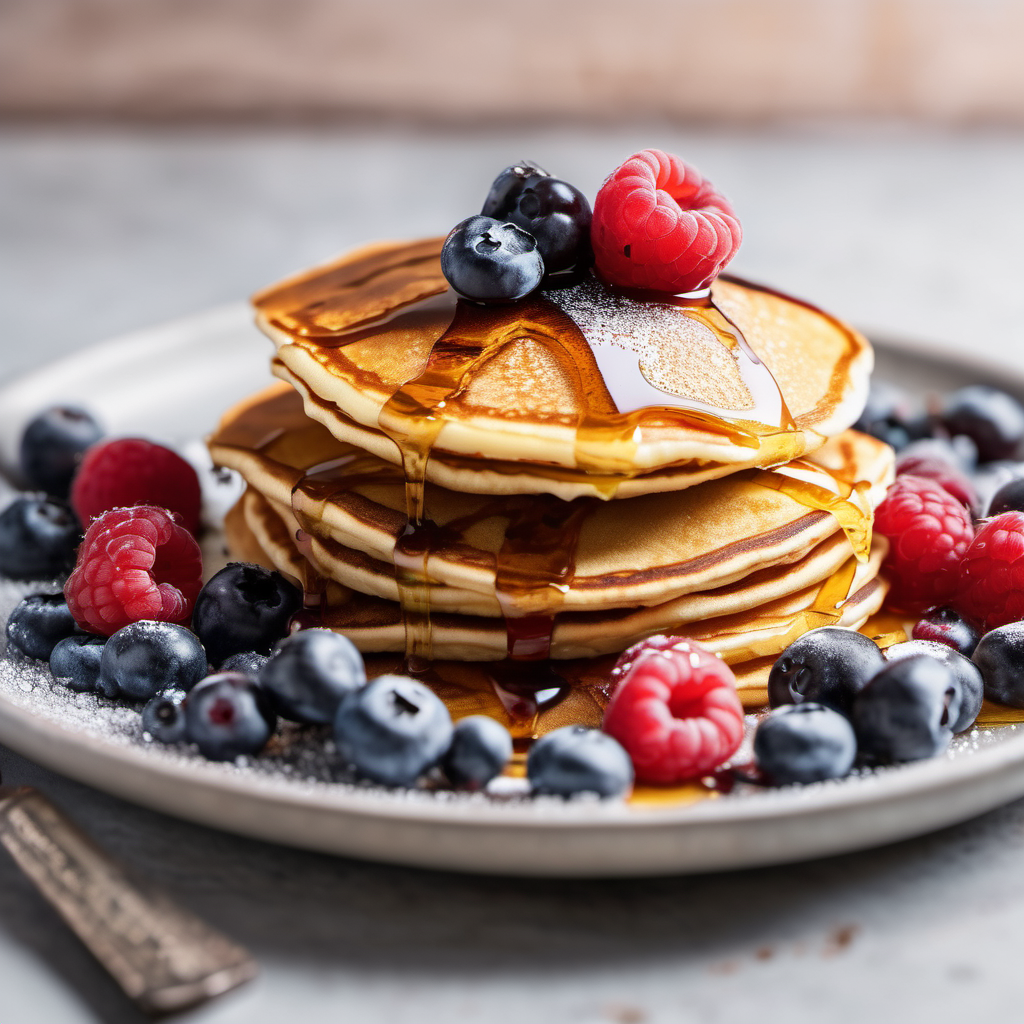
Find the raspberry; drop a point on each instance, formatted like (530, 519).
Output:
(991, 584)
(134, 563)
(130, 471)
(949, 477)
(928, 532)
(659, 225)
(675, 709)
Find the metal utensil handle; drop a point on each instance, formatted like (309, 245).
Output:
(164, 957)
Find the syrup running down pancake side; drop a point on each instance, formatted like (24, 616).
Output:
(622, 401)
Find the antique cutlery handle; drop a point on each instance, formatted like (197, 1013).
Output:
(163, 956)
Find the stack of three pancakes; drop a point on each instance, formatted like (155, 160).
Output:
(513, 495)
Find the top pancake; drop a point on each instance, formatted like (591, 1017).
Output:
(574, 392)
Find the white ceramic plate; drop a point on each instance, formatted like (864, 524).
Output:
(171, 383)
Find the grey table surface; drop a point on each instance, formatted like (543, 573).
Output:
(916, 233)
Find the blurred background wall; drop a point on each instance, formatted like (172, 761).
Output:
(947, 61)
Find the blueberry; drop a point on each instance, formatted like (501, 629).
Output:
(488, 261)
(826, 666)
(75, 661)
(972, 689)
(1009, 498)
(226, 715)
(393, 730)
(945, 626)
(992, 419)
(243, 608)
(907, 711)
(248, 663)
(52, 446)
(163, 717)
(38, 624)
(804, 743)
(145, 658)
(892, 416)
(481, 747)
(309, 673)
(556, 213)
(574, 759)
(989, 478)
(1000, 657)
(38, 539)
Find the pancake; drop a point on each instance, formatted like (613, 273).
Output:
(375, 624)
(580, 389)
(646, 550)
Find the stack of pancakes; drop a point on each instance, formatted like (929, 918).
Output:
(553, 480)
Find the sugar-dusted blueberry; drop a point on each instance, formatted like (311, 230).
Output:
(972, 688)
(393, 730)
(946, 626)
(309, 673)
(227, 715)
(247, 662)
(38, 538)
(480, 749)
(75, 661)
(1009, 498)
(243, 607)
(992, 419)
(486, 260)
(163, 716)
(575, 759)
(38, 624)
(145, 658)
(907, 711)
(1000, 659)
(52, 446)
(800, 743)
(828, 665)
(556, 213)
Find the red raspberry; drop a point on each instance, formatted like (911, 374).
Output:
(991, 584)
(946, 475)
(129, 471)
(134, 563)
(659, 225)
(675, 709)
(928, 532)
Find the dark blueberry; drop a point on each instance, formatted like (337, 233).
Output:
(393, 730)
(574, 759)
(248, 663)
(38, 539)
(52, 447)
(987, 479)
(38, 624)
(992, 419)
(945, 626)
(163, 717)
(243, 608)
(145, 658)
(481, 747)
(309, 673)
(893, 416)
(972, 688)
(1000, 657)
(1009, 498)
(556, 213)
(508, 186)
(226, 715)
(804, 743)
(826, 666)
(488, 261)
(908, 710)
(75, 661)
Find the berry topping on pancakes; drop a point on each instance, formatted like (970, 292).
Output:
(659, 225)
